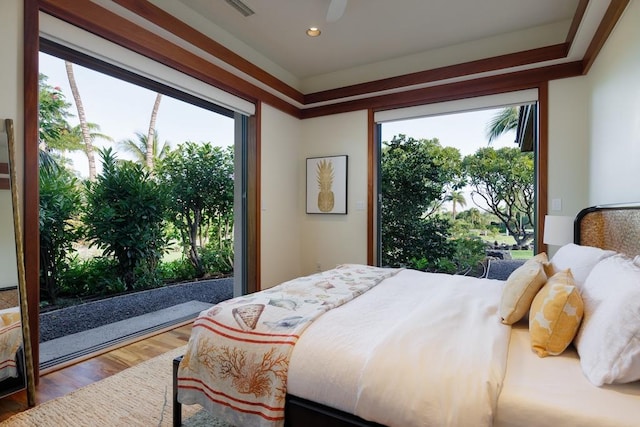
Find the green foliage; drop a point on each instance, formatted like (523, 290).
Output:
(416, 238)
(504, 121)
(199, 182)
(469, 252)
(59, 205)
(53, 111)
(503, 179)
(177, 270)
(138, 148)
(72, 139)
(124, 217)
(91, 277)
(416, 176)
(217, 259)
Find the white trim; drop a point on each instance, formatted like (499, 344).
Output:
(468, 104)
(75, 38)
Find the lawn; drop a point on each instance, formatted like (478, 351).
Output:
(501, 238)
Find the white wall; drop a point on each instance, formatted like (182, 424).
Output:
(11, 18)
(329, 240)
(613, 85)
(568, 153)
(280, 211)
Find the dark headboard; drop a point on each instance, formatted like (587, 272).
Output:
(614, 227)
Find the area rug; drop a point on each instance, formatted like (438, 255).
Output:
(138, 396)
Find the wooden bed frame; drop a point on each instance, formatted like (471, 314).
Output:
(614, 227)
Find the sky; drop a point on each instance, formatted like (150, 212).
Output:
(121, 109)
(465, 131)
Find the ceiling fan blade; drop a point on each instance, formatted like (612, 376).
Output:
(336, 10)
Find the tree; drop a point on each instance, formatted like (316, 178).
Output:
(504, 121)
(138, 148)
(74, 141)
(53, 111)
(199, 182)
(473, 217)
(86, 134)
(151, 134)
(456, 197)
(415, 177)
(59, 205)
(124, 216)
(503, 179)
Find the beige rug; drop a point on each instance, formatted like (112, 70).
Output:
(138, 396)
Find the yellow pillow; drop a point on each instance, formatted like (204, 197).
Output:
(556, 313)
(7, 319)
(521, 287)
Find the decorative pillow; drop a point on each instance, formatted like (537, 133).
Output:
(521, 287)
(580, 259)
(7, 319)
(608, 341)
(555, 315)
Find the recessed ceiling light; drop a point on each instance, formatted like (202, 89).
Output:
(313, 32)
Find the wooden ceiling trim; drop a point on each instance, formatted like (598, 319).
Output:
(466, 89)
(575, 23)
(91, 17)
(154, 14)
(99, 21)
(609, 21)
(527, 57)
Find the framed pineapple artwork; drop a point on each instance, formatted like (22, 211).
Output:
(327, 185)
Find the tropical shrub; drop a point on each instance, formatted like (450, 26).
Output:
(59, 206)
(198, 179)
(91, 277)
(124, 216)
(178, 270)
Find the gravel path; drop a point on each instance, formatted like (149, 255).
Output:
(78, 318)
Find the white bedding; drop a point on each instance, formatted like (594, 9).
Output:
(553, 391)
(433, 353)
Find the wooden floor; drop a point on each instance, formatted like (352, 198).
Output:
(60, 382)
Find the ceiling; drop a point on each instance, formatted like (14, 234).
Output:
(372, 31)
(376, 40)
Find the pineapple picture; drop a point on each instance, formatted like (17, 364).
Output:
(326, 185)
(324, 177)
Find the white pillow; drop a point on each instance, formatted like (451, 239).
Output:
(608, 341)
(579, 259)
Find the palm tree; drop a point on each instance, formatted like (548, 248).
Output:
(86, 135)
(457, 197)
(504, 121)
(140, 146)
(149, 160)
(74, 140)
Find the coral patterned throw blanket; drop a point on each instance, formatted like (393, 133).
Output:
(238, 355)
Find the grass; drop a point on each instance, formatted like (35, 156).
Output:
(522, 254)
(509, 240)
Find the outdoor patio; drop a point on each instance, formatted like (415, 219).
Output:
(72, 332)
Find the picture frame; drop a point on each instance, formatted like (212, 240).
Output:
(327, 185)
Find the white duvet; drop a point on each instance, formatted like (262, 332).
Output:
(420, 349)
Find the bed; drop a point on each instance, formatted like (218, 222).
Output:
(10, 342)
(557, 343)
